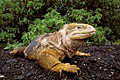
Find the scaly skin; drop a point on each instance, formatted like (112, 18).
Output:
(51, 48)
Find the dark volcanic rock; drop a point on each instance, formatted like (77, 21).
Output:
(103, 64)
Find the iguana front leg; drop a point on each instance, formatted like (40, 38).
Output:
(82, 54)
(48, 61)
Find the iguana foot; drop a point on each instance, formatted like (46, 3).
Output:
(65, 67)
(82, 54)
(18, 51)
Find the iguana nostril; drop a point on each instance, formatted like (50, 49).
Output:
(92, 28)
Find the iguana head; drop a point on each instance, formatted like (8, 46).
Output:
(77, 31)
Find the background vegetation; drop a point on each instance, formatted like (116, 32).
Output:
(23, 20)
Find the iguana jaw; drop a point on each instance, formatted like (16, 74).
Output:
(84, 34)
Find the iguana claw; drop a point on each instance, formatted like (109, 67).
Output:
(65, 67)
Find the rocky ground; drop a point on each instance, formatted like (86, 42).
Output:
(104, 64)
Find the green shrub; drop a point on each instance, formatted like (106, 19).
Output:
(52, 22)
(21, 19)
(84, 16)
(110, 10)
(101, 34)
(8, 34)
(15, 15)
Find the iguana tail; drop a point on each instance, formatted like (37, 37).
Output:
(18, 50)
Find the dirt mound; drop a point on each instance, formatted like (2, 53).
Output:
(104, 64)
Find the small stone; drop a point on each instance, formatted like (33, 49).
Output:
(20, 77)
(2, 76)
(75, 61)
(28, 74)
(112, 73)
(8, 67)
(84, 64)
(31, 67)
(99, 58)
(112, 56)
(109, 75)
(11, 60)
(105, 69)
(100, 67)
(95, 59)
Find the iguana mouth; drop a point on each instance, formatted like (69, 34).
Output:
(82, 35)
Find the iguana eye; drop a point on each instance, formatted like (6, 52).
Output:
(79, 27)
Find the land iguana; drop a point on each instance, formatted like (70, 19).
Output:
(51, 48)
